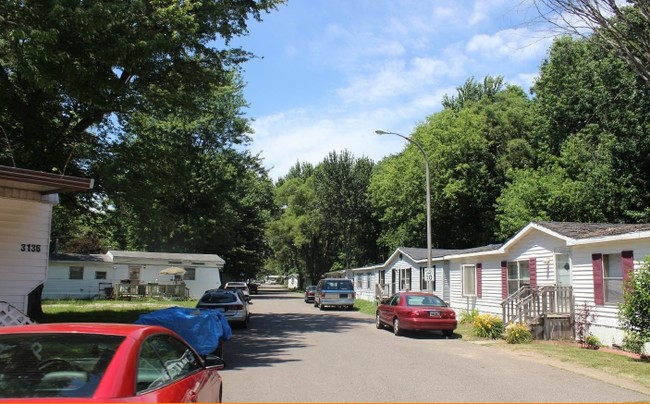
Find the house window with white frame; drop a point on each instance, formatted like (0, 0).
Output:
(100, 274)
(369, 280)
(613, 278)
(405, 279)
(358, 281)
(518, 275)
(423, 281)
(469, 280)
(76, 272)
(190, 274)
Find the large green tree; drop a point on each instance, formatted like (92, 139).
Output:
(68, 66)
(299, 238)
(325, 221)
(341, 183)
(593, 142)
(482, 133)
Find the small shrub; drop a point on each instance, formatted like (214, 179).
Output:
(584, 319)
(488, 326)
(632, 342)
(517, 333)
(634, 311)
(592, 342)
(468, 316)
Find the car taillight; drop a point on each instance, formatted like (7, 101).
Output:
(237, 307)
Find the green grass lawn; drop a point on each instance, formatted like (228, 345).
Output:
(105, 311)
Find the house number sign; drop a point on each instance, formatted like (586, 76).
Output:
(30, 248)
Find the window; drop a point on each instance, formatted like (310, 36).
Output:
(368, 280)
(405, 278)
(382, 277)
(518, 275)
(358, 281)
(100, 274)
(613, 278)
(163, 359)
(190, 274)
(134, 273)
(469, 280)
(76, 273)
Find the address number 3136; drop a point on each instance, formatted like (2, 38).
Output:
(30, 247)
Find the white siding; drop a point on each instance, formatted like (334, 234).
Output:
(606, 325)
(543, 248)
(490, 302)
(59, 286)
(24, 244)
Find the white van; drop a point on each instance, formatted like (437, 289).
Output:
(334, 292)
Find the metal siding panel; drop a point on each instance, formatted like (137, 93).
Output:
(490, 300)
(23, 222)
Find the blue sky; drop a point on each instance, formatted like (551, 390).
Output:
(331, 72)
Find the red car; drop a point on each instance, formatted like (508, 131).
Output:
(416, 311)
(93, 362)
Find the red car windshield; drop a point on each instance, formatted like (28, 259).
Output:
(54, 365)
(418, 300)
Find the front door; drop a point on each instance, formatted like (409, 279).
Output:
(563, 269)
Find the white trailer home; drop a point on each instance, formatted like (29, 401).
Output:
(26, 201)
(131, 274)
(548, 271)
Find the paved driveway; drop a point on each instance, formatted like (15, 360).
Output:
(293, 352)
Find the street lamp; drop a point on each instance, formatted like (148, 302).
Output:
(426, 167)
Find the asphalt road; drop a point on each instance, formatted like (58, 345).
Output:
(293, 352)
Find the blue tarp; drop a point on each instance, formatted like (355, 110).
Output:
(203, 329)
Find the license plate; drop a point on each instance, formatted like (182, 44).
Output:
(434, 314)
(343, 295)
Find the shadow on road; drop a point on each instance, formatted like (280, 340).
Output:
(271, 335)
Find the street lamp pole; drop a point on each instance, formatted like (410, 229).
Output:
(428, 185)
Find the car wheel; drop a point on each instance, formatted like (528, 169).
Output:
(448, 333)
(378, 323)
(396, 328)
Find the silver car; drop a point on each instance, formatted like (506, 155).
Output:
(231, 303)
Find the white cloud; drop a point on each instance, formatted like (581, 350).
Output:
(510, 43)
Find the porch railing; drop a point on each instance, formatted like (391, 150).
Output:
(529, 303)
(151, 290)
(383, 290)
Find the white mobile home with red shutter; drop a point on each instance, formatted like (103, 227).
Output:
(556, 267)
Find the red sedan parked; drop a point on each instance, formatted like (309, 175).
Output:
(92, 362)
(416, 311)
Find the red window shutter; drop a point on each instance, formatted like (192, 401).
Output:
(479, 280)
(504, 279)
(597, 266)
(627, 258)
(532, 270)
